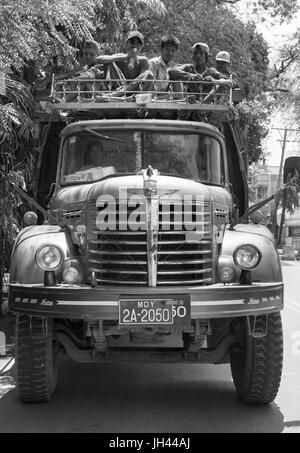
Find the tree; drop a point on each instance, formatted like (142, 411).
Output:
(284, 9)
(47, 35)
(16, 134)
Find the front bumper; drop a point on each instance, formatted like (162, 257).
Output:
(84, 302)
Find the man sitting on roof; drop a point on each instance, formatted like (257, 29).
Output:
(159, 66)
(223, 62)
(84, 70)
(198, 72)
(131, 69)
(89, 70)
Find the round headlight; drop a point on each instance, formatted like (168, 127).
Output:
(246, 256)
(49, 257)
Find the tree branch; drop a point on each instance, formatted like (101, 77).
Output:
(292, 54)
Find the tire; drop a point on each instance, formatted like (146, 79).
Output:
(256, 364)
(36, 359)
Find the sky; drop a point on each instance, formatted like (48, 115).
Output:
(275, 34)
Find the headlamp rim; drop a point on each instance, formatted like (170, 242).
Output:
(62, 256)
(235, 256)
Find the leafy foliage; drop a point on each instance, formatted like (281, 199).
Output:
(114, 19)
(255, 114)
(284, 9)
(16, 160)
(39, 31)
(212, 22)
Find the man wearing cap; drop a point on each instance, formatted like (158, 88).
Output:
(223, 62)
(198, 71)
(129, 66)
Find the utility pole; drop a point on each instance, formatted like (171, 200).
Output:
(283, 143)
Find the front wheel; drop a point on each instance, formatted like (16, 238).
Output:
(36, 358)
(256, 362)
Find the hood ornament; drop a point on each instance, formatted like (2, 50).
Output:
(150, 181)
(150, 171)
(150, 185)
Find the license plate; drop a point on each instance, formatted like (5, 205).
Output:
(155, 311)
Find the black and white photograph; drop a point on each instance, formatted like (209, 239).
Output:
(149, 220)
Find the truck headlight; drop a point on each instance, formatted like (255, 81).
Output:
(49, 257)
(246, 256)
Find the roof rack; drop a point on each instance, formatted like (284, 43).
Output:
(98, 96)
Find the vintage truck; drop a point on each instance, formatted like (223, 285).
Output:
(146, 251)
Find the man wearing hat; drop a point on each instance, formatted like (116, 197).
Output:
(223, 62)
(198, 71)
(129, 66)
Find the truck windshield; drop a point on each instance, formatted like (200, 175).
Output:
(88, 157)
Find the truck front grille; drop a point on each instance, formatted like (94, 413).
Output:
(120, 257)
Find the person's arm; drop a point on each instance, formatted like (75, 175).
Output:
(104, 59)
(222, 81)
(216, 77)
(184, 72)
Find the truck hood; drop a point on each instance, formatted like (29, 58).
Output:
(73, 195)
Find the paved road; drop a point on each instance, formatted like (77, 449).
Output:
(135, 398)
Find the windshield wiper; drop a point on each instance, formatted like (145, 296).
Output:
(105, 137)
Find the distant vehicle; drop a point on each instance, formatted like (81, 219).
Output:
(292, 222)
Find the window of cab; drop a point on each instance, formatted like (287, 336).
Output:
(91, 156)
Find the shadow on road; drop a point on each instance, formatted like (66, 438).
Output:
(137, 398)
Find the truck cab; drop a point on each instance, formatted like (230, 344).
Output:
(143, 256)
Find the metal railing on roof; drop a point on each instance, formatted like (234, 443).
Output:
(103, 94)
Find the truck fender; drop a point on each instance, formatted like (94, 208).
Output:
(269, 267)
(23, 267)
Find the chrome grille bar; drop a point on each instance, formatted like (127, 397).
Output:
(185, 282)
(155, 257)
(199, 271)
(183, 262)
